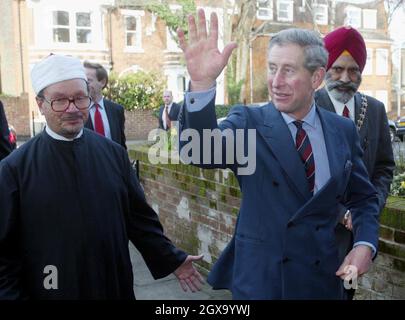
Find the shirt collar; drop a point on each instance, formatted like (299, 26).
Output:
(100, 103)
(59, 137)
(309, 119)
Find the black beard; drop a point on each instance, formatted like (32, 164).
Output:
(342, 91)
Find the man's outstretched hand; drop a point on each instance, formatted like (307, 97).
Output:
(188, 276)
(203, 59)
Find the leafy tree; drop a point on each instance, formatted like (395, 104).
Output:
(174, 19)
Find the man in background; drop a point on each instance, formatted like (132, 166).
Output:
(169, 111)
(106, 117)
(347, 59)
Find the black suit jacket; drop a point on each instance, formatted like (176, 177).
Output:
(116, 120)
(173, 114)
(375, 141)
(378, 158)
(5, 147)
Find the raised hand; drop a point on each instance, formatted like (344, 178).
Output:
(203, 59)
(188, 275)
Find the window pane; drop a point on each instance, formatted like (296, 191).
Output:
(353, 17)
(83, 36)
(382, 61)
(265, 9)
(61, 35)
(131, 39)
(285, 10)
(83, 19)
(320, 13)
(368, 69)
(130, 23)
(61, 18)
(369, 19)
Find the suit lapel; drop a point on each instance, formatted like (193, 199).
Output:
(172, 112)
(278, 138)
(111, 122)
(323, 100)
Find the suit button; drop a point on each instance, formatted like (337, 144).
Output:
(286, 259)
(275, 183)
(317, 262)
(192, 100)
(290, 224)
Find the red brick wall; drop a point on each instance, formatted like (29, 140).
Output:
(17, 113)
(139, 123)
(197, 207)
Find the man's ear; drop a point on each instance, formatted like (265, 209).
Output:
(104, 83)
(317, 77)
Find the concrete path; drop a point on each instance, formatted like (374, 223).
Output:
(146, 288)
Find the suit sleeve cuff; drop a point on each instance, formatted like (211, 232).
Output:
(197, 100)
(368, 244)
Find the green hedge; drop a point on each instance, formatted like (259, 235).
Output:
(140, 90)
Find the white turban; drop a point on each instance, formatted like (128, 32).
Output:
(56, 68)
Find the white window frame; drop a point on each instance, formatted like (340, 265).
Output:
(351, 12)
(370, 19)
(171, 44)
(137, 14)
(264, 9)
(323, 18)
(290, 10)
(84, 28)
(72, 27)
(368, 68)
(381, 62)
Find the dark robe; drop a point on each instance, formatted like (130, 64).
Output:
(74, 205)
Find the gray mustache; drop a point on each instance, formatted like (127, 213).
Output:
(342, 85)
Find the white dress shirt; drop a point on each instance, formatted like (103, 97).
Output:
(101, 108)
(339, 106)
(163, 114)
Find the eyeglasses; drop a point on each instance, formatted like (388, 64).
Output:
(61, 105)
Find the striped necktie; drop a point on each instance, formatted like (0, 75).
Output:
(304, 149)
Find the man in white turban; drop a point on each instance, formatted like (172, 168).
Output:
(69, 203)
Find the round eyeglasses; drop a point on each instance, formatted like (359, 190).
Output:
(62, 104)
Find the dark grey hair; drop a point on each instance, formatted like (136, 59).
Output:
(316, 56)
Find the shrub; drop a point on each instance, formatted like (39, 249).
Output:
(140, 90)
(398, 185)
(222, 110)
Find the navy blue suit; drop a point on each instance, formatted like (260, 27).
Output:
(284, 244)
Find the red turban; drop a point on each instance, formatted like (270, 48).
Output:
(346, 38)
